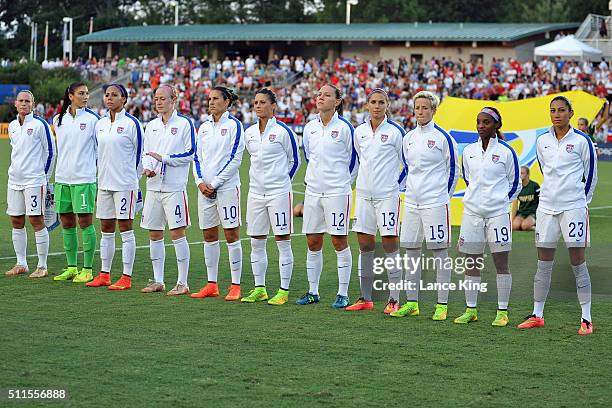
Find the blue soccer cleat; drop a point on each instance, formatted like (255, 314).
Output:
(341, 302)
(307, 299)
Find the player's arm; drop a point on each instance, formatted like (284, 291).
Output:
(465, 170)
(189, 143)
(402, 158)
(514, 209)
(232, 165)
(354, 159)
(589, 162)
(137, 139)
(513, 172)
(197, 164)
(48, 144)
(452, 164)
(148, 162)
(293, 154)
(306, 144)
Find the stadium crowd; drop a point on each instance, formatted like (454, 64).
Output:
(295, 81)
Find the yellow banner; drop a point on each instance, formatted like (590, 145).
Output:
(4, 130)
(523, 121)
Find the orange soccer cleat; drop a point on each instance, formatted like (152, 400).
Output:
(125, 282)
(361, 304)
(531, 322)
(103, 279)
(586, 327)
(210, 290)
(234, 293)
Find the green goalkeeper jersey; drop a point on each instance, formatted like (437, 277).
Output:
(528, 199)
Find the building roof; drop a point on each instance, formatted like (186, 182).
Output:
(485, 32)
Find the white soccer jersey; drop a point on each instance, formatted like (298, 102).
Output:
(432, 165)
(119, 152)
(569, 167)
(331, 156)
(32, 154)
(175, 142)
(274, 159)
(380, 159)
(491, 176)
(219, 152)
(76, 147)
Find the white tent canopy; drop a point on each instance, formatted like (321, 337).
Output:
(568, 47)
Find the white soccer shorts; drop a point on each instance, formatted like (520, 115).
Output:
(431, 224)
(30, 201)
(275, 212)
(477, 231)
(572, 224)
(372, 215)
(224, 209)
(120, 205)
(165, 208)
(326, 214)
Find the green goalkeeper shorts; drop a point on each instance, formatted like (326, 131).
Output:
(75, 198)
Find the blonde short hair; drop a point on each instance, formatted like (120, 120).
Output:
(435, 101)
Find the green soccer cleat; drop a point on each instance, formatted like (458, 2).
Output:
(69, 273)
(440, 313)
(470, 315)
(501, 320)
(258, 294)
(409, 309)
(281, 297)
(84, 276)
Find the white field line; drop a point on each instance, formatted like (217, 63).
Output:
(603, 207)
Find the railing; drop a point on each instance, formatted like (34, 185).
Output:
(95, 96)
(603, 44)
(590, 26)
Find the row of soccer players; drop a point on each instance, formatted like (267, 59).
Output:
(334, 151)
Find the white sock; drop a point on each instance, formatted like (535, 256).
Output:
(541, 286)
(259, 260)
(285, 263)
(20, 244)
(413, 274)
(212, 252)
(42, 246)
(157, 251)
(443, 273)
(344, 260)
(583, 288)
(235, 258)
(181, 248)
(314, 266)
(107, 251)
(128, 251)
(472, 284)
(504, 285)
(394, 275)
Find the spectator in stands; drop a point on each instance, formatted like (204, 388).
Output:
(524, 217)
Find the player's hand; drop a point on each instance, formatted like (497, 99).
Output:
(156, 156)
(207, 189)
(149, 173)
(202, 187)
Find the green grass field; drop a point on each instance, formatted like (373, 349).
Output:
(126, 348)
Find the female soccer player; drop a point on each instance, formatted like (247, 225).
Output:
(378, 142)
(527, 202)
(220, 147)
(274, 161)
(119, 137)
(332, 166)
(431, 161)
(569, 165)
(169, 146)
(75, 179)
(491, 173)
(32, 156)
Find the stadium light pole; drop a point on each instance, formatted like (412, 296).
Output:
(176, 23)
(69, 21)
(349, 3)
